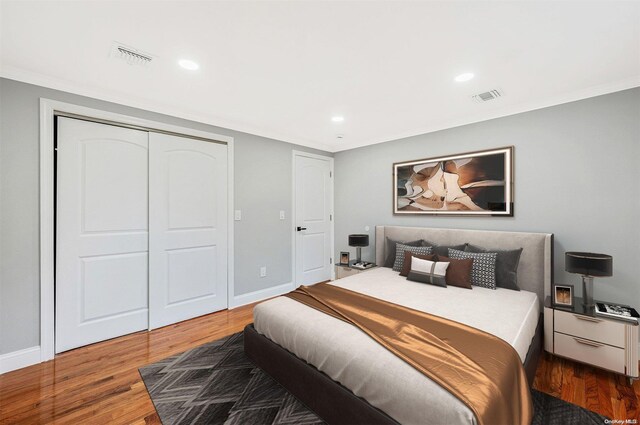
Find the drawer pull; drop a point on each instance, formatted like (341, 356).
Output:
(587, 319)
(590, 343)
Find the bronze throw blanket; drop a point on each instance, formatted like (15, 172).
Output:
(481, 370)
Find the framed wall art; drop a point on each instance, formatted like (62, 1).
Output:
(472, 184)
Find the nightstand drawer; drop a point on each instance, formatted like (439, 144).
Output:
(590, 352)
(344, 271)
(592, 328)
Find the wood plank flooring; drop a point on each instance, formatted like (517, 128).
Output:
(100, 384)
(595, 389)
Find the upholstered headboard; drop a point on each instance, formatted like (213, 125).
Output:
(535, 270)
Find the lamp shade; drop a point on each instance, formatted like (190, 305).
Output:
(358, 240)
(588, 264)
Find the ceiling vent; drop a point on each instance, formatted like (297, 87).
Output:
(130, 55)
(487, 96)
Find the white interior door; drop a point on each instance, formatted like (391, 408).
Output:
(101, 233)
(188, 228)
(313, 214)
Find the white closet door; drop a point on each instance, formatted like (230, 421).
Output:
(101, 233)
(188, 228)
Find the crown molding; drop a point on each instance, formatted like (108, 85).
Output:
(24, 76)
(593, 91)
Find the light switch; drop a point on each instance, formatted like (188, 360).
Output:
(238, 215)
(282, 215)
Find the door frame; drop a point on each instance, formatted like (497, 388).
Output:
(329, 159)
(48, 110)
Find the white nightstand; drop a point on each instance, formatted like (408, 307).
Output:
(343, 270)
(579, 334)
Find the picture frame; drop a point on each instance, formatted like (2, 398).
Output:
(344, 258)
(563, 296)
(478, 183)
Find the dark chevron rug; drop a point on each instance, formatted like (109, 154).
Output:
(216, 384)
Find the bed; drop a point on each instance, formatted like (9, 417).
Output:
(346, 377)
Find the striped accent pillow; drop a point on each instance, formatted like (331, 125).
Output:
(483, 271)
(426, 271)
(401, 248)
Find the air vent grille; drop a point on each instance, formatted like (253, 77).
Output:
(487, 96)
(130, 55)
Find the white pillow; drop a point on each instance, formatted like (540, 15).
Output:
(424, 266)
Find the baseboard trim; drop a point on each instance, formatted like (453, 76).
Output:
(19, 359)
(262, 294)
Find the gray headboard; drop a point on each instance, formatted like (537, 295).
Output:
(535, 270)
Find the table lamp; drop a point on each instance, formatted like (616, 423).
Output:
(589, 265)
(358, 241)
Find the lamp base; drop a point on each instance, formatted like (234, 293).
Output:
(358, 255)
(587, 291)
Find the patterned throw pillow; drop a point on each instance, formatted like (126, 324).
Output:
(425, 271)
(506, 265)
(390, 258)
(401, 248)
(483, 271)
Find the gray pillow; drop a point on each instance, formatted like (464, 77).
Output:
(401, 248)
(483, 271)
(427, 278)
(443, 250)
(390, 258)
(506, 266)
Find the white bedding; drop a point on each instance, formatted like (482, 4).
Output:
(350, 357)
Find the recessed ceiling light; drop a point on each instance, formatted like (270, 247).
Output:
(337, 118)
(464, 77)
(188, 64)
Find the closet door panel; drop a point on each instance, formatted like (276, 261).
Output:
(101, 232)
(188, 228)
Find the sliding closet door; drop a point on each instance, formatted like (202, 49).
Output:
(188, 228)
(101, 232)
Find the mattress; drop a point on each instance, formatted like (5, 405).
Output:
(370, 371)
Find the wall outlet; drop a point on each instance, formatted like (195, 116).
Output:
(237, 216)
(263, 271)
(281, 215)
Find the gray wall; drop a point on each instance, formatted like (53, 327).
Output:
(577, 175)
(262, 188)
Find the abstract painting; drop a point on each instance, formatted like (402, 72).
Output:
(475, 184)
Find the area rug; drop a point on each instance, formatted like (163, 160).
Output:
(216, 383)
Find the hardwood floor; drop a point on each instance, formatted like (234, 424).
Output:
(101, 384)
(595, 389)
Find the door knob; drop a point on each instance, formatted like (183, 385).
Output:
(300, 228)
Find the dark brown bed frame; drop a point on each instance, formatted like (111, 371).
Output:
(334, 403)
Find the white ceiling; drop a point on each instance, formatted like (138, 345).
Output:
(283, 69)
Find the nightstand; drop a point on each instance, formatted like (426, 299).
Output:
(343, 270)
(579, 334)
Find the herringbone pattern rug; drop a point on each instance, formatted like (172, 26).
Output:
(216, 384)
